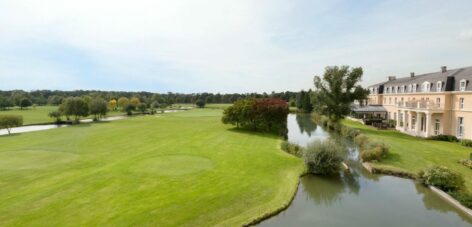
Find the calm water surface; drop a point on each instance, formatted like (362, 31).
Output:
(358, 198)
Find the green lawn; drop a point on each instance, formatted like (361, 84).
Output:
(39, 114)
(413, 154)
(32, 115)
(179, 169)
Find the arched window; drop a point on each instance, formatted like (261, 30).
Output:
(462, 85)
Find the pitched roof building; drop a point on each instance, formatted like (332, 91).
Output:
(428, 104)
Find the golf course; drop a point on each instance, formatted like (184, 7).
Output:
(176, 169)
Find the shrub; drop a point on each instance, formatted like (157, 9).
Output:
(323, 157)
(200, 103)
(447, 138)
(466, 162)
(56, 115)
(324, 121)
(292, 149)
(374, 152)
(391, 123)
(316, 118)
(463, 197)
(441, 177)
(466, 142)
(362, 141)
(349, 132)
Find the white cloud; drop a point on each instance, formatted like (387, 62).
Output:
(227, 46)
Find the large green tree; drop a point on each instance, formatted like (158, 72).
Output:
(98, 107)
(336, 91)
(268, 114)
(75, 106)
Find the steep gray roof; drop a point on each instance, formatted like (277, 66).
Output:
(450, 79)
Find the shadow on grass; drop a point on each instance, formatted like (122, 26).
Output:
(8, 135)
(393, 157)
(255, 133)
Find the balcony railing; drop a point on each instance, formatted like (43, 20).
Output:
(420, 104)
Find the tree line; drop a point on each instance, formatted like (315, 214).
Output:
(25, 99)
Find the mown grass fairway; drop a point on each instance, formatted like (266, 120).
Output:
(180, 169)
(39, 114)
(413, 154)
(32, 115)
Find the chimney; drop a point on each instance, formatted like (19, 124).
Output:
(443, 69)
(412, 74)
(390, 78)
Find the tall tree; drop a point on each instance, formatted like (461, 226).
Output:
(112, 104)
(336, 90)
(98, 108)
(75, 106)
(25, 103)
(134, 102)
(200, 103)
(123, 102)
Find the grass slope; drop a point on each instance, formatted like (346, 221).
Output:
(180, 169)
(413, 154)
(39, 114)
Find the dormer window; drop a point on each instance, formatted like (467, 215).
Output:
(426, 87)
(404, 88)
(410, 88)
(438, 86)
(462, 85)
(414, 87)
(401, 89)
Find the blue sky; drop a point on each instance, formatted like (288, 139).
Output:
(223, 46)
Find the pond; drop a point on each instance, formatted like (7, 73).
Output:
(358, 198)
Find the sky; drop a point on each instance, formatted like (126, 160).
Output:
(224, 45)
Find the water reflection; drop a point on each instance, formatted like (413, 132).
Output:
(305, 124)
(358, 198)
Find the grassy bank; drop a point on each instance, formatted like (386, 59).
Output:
(180, 169)
(412, 154)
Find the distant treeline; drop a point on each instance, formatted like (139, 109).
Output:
(55, 97)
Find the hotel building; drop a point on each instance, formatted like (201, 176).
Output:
(428, 104)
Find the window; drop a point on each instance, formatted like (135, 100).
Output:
(414, 87)
(395, 100)
(438, 86)
(437, 127)
(390, 100)
(460, 127)
(438, 102)
(404, 88)
(463, 85)
(426, 87)
(461, 103)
